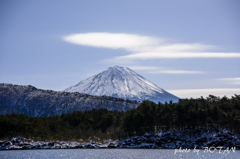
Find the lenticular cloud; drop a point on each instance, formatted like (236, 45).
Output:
(112, 40)
(145, 47)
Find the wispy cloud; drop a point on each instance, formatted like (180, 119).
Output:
(145, 47)
(178, 47)
(197, 93)
(176, 72)
(143, 68)
(163, 70)
(158, 55)
(235, 81)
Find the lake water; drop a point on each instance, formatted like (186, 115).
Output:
(114, 153)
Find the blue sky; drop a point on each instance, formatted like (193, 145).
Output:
(189, 48)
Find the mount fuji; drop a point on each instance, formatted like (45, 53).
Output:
(122, 82)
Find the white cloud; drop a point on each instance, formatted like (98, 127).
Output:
(143, 67)
(162, 70)
(178, 47)
(113, 40)
(159, 55)
(235, 81)
(197, 93)
(145, 47)
(176, 72)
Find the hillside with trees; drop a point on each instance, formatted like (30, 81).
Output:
(37, 102)
(211, 112)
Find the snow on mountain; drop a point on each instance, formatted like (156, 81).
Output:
(122, 82)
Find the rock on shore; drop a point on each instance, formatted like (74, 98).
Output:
(197, 138)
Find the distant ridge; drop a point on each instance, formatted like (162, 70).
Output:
(37, 102)
(122, 82)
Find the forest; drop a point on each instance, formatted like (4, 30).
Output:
(147, 117)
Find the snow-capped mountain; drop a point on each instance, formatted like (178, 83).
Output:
(122, 82)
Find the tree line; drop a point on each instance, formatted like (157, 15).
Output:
(186, 114)
(148, 116)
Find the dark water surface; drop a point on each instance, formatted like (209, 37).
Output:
(115, 153)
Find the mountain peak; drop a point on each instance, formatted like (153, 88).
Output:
(118, 67)
(122, 82)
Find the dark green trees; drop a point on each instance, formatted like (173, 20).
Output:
(187, 113)
(149, 116)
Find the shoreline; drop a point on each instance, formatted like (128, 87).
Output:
(182, 139)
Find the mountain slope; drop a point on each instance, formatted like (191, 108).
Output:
(36, 102)
(122, 82)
